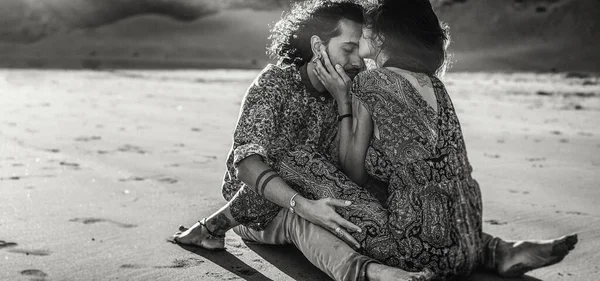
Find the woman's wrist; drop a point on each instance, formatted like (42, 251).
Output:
(345, 107)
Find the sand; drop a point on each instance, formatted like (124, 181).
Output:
(98, 168)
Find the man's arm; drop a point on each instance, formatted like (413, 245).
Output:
(271, 186)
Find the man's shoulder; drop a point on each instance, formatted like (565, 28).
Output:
(276, 76)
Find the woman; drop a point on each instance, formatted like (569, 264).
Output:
(402, 129)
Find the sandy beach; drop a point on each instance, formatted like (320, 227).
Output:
(98, 168)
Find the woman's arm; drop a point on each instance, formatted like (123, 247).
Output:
(357, 143)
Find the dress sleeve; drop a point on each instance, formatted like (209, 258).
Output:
(363, 90)
(256, 127)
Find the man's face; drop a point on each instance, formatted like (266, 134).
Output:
(343, 49)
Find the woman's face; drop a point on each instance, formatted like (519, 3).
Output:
(367, 49)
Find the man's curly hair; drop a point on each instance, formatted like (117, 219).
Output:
(290, 36)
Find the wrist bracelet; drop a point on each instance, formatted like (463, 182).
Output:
(344, 116)
(293, 203)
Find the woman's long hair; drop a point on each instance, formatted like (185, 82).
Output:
(411, 35)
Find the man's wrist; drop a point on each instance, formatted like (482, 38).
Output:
(301, 204)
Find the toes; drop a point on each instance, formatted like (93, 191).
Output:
(562, 246)
(559, 250)
(572, 240)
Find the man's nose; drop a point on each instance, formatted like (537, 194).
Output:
(357, 62)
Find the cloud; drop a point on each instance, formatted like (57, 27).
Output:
(27, 21)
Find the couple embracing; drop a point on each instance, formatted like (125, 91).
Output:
(365, 171)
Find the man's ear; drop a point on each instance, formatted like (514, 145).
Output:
(315, 46)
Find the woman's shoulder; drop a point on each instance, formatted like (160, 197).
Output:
(370, 75)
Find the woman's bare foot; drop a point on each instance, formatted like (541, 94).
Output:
(379, 272)
(518, 257)
(199, 235)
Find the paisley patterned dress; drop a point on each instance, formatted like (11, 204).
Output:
(435, 209)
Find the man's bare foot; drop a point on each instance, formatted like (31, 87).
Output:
(379, 272)
(199, 235)
(518, 257)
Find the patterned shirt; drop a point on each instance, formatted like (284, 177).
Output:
(281, 109)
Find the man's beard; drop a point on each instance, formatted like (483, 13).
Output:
(352, 72)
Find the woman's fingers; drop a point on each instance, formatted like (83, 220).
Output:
(342, 73)
(328, 64)
(322, 70)
(320, 76)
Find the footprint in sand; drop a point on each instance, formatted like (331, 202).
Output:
(182, 263)
(534, 159)
(16, 178)
(97, 220)
(88, 138)
(167, 180)
(157, 178)
(572, 213)
(132, 178)
(494, 156)
(34, 273)
(69, 164)
(11, 178)
(536, 162)
(4, 244)
(495, 222)
(132, 148)
(132, 266)
(41, 253)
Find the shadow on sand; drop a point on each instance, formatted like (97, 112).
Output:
(290, 261)
(485, 276)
